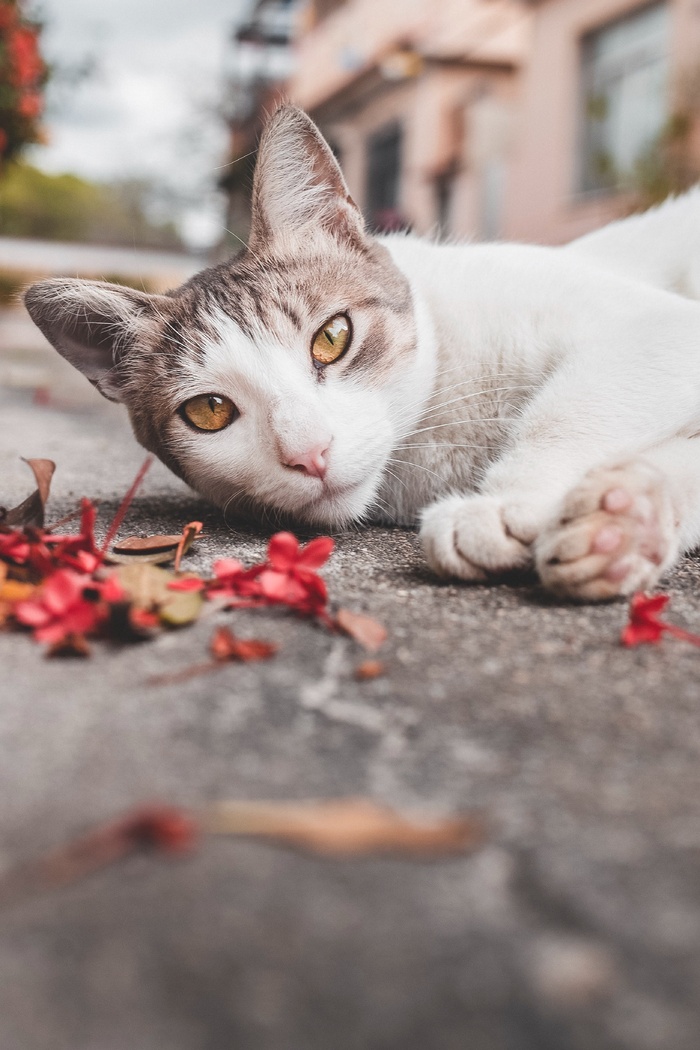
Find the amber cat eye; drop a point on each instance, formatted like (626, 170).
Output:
(209, 411)
(331, 341)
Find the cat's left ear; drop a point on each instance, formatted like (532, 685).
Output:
(96, 326)
(298, 185)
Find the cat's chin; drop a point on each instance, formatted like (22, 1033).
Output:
(337, 507)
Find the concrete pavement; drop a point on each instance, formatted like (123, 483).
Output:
(577, 926)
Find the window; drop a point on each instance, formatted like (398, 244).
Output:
(624, 80)
(444, 193)
(383, 177)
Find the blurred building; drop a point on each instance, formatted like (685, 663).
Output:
(518, 119)
(259, 65)
(417, 98)
(607, 114)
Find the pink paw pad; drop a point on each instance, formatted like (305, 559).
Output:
(615, 501)
(608, 539)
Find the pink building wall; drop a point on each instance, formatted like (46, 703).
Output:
(542, 202)
(494, 103)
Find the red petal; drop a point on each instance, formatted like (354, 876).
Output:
(316, 553)
(31, 613)
(111, 590)
(282, 551)
(281, 587)
(226, 567)
(642, 634)
(190, 583)
(646, 606)
(61, 590)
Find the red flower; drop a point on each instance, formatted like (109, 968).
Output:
(646, 628)
(30, 105)
(24, 56)
(233, 581)
(77, 552)
(289, 576)
(68, 604)
(14, 546)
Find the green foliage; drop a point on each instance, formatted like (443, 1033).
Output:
(667, 167)
(65, 207)
(671, 164)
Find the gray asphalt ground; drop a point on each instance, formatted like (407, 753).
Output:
(577, 926)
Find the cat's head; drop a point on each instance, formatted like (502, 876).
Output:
(279, 381)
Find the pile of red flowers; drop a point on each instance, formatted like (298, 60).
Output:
(287, 577)
(23, 75)
(61, 587)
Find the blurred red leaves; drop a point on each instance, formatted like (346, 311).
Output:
(226, 646)
(645, 627)
(23, 74)
(68, 603)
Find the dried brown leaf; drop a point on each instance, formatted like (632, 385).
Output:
(345, 827)
(189, 535)
(369, 669)
(133, 558)
(146, 544)
(31, 510)
(226, 646)
(166, 829)
(368, 632)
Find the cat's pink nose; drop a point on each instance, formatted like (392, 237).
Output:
(314, 462)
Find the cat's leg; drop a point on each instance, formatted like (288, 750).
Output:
(622, 527)
(476, 536)
(622, 387)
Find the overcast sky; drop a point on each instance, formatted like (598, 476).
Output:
(148, 107)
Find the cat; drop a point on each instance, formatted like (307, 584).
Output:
(531, 407)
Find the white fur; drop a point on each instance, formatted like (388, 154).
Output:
(614, 365)
(543, 379)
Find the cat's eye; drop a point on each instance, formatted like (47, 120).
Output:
(209, 411)
(331, 341)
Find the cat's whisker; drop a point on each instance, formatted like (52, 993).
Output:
(446, 444)
(452, 423)
(477, 393)
(505, 404)
(409, 463)
(396, 476)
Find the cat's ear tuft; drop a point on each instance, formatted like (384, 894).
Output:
(298, 183)
(95, 326)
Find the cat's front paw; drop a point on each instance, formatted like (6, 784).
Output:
(467, 537)
(616, 534)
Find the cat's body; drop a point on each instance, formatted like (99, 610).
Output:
(547, 398)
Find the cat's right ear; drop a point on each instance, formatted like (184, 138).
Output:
(298, 186)
(95, 325)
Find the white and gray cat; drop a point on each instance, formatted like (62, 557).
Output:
(529, 406)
